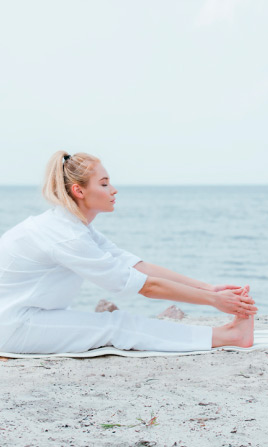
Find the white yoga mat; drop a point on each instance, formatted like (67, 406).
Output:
(260, 342)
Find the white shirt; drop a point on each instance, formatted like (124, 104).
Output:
(45, 258)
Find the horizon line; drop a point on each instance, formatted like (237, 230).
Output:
(151, 184)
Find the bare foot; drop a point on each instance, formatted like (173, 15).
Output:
(240, 332)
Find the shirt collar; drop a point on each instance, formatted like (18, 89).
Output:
(64, 212)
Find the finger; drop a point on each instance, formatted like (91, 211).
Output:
(244, 293)
(229, 286)
(248, 306)
(246, 289)
(247, 299)
(249, 303)
(242, 315)
(248, 312)
(238, 291)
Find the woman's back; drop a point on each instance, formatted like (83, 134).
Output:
(29, 276)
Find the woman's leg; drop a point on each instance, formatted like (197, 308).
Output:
(240, 332)
(54, 331)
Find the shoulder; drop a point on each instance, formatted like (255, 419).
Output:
(58, 225)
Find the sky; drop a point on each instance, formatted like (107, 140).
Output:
(164, 92)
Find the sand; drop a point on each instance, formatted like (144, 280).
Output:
(214, 399)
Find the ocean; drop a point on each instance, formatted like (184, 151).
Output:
(217, 234)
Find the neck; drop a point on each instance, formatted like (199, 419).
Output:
(89, 214)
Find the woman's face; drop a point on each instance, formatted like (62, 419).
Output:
(99, 195)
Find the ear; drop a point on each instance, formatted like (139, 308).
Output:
(77, 191)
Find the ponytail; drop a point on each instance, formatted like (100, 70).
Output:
(61, 173)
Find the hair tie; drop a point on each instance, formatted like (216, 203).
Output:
(66, 157)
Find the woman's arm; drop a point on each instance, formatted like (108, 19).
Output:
(230, 302)
(162, 272)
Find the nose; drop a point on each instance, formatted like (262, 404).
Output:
(114, 190)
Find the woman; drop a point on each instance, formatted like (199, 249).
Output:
(45, 258)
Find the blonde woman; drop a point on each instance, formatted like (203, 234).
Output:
(45, 258)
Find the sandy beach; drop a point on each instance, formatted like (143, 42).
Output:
(215, 399)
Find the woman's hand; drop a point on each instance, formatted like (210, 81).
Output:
(236, 302)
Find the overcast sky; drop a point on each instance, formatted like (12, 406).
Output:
(163, 91)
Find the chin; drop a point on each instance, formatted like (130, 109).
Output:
(108, 211)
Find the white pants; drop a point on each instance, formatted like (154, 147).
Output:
(44, 331)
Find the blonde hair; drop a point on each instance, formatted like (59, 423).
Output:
(61, 174)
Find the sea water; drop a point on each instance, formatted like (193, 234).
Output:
(217, 234)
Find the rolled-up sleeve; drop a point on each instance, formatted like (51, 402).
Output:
(88, 260)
